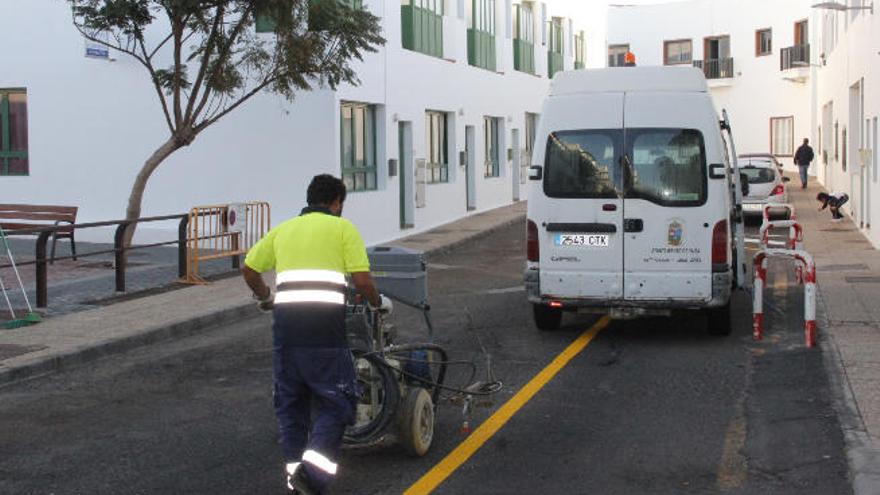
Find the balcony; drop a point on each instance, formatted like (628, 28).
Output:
(721, 68)
(794, 57)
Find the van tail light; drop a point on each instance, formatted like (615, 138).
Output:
(532, 251)
(720, 242)
(778, 190)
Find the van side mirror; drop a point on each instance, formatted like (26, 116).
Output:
(716, 171)
(744, 183)
(536, 172)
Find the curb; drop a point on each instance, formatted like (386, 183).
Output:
(862, 455)
(470, 238)
(87, 353)
(184, 328)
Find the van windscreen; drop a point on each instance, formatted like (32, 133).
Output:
(668, 166)
(582, 164)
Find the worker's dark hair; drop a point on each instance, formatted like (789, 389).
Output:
(822, 196)
(324, 189)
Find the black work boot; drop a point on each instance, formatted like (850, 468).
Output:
(299, 483)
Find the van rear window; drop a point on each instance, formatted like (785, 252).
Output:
(668, 166)
(582, 164)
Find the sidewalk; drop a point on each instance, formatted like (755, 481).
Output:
(70, 339)
(848, 275)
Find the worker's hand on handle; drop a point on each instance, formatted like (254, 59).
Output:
(265, 304)
(385, 306)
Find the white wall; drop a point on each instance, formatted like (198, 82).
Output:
(852, 60)
(758, 90)
(92, 123)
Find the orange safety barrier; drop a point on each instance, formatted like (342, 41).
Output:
(223, 231)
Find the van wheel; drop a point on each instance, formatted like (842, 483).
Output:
(718, 320)
(547, 318)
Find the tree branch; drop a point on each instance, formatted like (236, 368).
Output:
(142, 60)
(223, 54)
(203, 68)
(159, 46)
(207, 122)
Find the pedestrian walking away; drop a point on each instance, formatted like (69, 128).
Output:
(833, 202)
(315, 387)
(802, 158)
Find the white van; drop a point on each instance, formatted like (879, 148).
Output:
(633, 199)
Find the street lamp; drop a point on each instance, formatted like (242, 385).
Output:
(842, 7)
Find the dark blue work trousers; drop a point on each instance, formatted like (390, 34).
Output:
(320, 380)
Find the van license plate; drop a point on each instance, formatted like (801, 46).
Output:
(587, 240)
(753, 206)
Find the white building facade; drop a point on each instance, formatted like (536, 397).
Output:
(755, 55)
(784, 70)
(848, 108)
(439, 128)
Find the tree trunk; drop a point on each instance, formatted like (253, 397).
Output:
(140, 183)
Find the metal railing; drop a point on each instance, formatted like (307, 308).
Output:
(44, 233)
(794, 57)
(720, 68)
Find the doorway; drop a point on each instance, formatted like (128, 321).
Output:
(407, 183)
(470, 168)
(515, 169)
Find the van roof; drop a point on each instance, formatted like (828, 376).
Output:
(629, 79)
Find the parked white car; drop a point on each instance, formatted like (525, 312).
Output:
(762, 156)
(766, 185)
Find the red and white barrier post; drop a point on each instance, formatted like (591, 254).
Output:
(795, 239)
(760, 279)
(809, 298)
(808, 266)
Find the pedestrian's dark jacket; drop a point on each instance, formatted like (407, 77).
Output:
(803, 155)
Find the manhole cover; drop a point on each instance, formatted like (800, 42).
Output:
(843, 268)
(863, 280)
(11, 350)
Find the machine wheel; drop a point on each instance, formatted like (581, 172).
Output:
(415, 424)
(718, 320)
(547, 318)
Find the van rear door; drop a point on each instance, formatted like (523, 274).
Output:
(667, 222)
(580, 222)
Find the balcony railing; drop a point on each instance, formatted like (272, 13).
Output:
(794, 57)
(720, 68)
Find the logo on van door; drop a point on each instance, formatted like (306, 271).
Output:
(675, 234)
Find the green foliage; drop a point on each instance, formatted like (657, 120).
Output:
(205, 57)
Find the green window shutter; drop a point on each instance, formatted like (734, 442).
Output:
(422, 28)
(264, 23)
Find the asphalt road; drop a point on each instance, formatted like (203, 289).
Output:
(649, 406)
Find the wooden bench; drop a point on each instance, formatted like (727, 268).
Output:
(14, 218)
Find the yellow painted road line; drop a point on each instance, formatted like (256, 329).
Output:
(438, 474)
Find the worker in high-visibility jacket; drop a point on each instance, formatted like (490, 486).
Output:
(313, 370)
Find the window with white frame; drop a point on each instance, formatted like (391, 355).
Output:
(492, 150)
(358, 146)
(617, 55)
(677, 52)
(782, 136)
(437, 165)
(763, 42)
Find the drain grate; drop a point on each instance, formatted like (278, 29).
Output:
(11, 350)
(863, 280)
(837, 230)
(843, 268)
